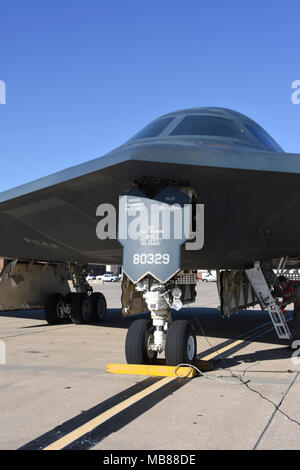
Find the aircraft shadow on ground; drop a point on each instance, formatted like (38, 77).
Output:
(207, 322)
(252, 358)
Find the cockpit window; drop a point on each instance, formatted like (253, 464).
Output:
(264, 139)
(207, 125)
(154, 129)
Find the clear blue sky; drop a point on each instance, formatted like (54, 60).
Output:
(84, 76)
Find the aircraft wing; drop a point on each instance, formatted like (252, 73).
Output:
(54, 218)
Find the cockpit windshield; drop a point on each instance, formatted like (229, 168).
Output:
(154, 129)
(211, 123)
(207, 125)
(263, 138)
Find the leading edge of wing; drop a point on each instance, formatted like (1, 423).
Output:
(167, 154)
(61, 176)
(230, 158)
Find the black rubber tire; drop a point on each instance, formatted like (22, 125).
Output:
(82, 309)
(100, 306)
(295, 323)
(136, 350)
(68, 299)
(51, 307)
(181, 344)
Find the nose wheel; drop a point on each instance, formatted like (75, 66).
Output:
(180, 344)
(138, 344)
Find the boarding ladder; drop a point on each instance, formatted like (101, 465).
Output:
(267, 301)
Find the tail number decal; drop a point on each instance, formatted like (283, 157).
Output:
(151, 258)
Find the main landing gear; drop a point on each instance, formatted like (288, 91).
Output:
(83, 306)
(147, 338)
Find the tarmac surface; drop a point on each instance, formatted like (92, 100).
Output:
(56, 392)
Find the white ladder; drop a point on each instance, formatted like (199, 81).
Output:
(267, 301)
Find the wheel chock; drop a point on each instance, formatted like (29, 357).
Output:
(182, 371)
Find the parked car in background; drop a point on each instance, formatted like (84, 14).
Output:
(108, 277)
(90, 277)
(209, 277)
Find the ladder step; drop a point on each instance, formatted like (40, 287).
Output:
(280, 324)
(267, 301)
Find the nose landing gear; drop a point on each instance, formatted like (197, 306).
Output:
(148, 338)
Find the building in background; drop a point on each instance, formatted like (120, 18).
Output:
(94, 269)
(99, 269)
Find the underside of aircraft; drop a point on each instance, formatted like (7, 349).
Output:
(197, 188)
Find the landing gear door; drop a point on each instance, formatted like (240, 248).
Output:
(152, 231)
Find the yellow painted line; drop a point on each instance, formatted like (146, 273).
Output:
(232, 345)
(152, 370)
(95, 422)
(98, 420)
(220, 351)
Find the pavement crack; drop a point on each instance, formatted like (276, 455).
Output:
(277, 409)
